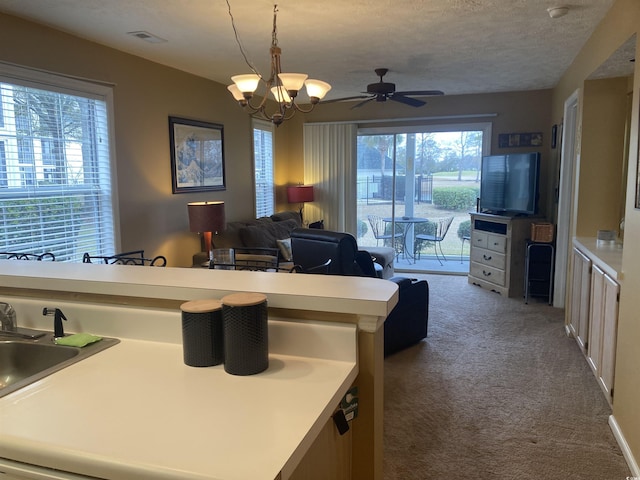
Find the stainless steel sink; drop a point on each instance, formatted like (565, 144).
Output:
(25, 361)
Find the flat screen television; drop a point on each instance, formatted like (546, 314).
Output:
(509, 183)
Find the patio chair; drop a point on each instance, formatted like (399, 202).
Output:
(441, 228)
(378, 227)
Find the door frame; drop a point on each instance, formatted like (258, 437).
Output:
(566, 228)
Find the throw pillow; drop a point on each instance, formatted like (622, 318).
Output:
(266, 234)
(285, 248)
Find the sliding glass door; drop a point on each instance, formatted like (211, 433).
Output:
(412, 179)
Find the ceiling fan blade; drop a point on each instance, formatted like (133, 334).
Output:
(358, 105)
(414, 102)
(422, 93)
(345, 99)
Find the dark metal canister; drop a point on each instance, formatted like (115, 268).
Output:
(202, 335)
(246, 339)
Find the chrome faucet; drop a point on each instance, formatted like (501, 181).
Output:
(7, 318)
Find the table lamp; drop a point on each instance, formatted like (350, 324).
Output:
(206, 218)
(300, 194)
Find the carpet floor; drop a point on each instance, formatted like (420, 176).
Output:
(496, 391)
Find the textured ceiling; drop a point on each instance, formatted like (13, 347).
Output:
(458, 46)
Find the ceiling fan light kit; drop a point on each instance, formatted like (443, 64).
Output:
(284, 87)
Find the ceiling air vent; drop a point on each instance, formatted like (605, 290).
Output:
(146, 36)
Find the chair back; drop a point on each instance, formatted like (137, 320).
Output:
(311, 247)
(127, 258)
(46, 256)
(443, 227)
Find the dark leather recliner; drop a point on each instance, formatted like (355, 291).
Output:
(406, 325)
(313, 247)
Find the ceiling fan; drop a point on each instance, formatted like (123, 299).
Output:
(382, 91)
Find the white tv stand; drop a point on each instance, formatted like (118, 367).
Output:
(498, 248)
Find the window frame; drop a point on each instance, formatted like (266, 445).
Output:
(65, 84)
(257, 124)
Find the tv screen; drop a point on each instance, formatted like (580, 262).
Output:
(509, 183)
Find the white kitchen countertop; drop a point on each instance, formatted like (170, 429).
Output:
(136, 411)
(607, 255)
(321, 293)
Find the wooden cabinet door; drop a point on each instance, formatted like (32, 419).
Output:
(609, 335)
(580, 298)
(596, 323)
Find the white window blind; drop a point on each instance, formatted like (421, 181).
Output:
(55, 169)
(263, 168)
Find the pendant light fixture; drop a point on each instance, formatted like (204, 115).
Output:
(283, 87)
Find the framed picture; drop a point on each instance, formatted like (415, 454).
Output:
(507, 140)
(197, 155)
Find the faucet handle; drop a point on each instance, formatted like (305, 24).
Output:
(58, 330)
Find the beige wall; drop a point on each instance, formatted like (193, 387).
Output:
(145, 95)
(621, 22)
(602, 153)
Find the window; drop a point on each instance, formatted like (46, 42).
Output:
(55, 166)
(263, 167)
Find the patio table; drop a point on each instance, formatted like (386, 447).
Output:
(408, 224)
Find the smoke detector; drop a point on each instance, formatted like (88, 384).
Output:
(557, 12)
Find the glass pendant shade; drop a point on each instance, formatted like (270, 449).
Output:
(292, 81)
(235, 91)
(317, 88)
(280, 95)
(247, 83)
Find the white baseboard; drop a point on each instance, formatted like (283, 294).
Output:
(624, 446)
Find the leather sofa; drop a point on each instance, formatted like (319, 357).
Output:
(407, 323)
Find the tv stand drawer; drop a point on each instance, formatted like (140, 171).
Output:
(488, 257)
(497, 243)
(489, 274)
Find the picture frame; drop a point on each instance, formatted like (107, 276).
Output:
(510, 140)
(197, 155)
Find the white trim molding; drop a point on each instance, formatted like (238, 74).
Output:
(624, 446)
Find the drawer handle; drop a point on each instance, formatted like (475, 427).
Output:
(486, 274)
(495, 244)
(486, 257)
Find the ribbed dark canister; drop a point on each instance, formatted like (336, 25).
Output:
(202, 336)
(246, 339)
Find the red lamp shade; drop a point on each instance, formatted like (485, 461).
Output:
(206, 218)
(300, 194)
